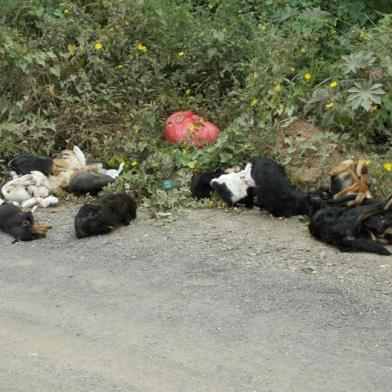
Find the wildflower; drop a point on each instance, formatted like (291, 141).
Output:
(210, 6)
(302, 50)
(332, 31)
(188, 91)
(120, 66)
(98, 46)
(134, 163)
(141, 48)
(181, 54)
(329, 105)
(192, 165)
(278, 87)
(254, 102)
(374, 108)
(363, 36)
(367, 162)
(308, 76)
(333, 84)
(388, 166)
(126, 23)
(66, 11)
(292, 69)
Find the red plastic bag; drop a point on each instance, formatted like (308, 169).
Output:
(190, 128)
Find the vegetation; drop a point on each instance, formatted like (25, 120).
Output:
(105, 74)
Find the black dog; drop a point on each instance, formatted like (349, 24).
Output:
(200, 183)
(277, 195)
(102, 216)
(20, 224)
(26, 163)
(355, 229)
(87, 182)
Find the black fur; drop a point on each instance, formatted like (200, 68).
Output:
(25, 164)
(277, 195)
(200, 183)
(225, 194)
(17, 223)
(101, 217)
(353, 229)
(87, 182)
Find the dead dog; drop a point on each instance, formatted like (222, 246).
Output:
(275, 194)
(20, 225)
(355, 229)
(349, 182)
(26, 163)
(104, 215)
(235, 188)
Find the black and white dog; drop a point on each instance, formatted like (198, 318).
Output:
(277, 195)
(104, 215)
(235, 188)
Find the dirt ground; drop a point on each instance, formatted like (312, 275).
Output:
(215, 301)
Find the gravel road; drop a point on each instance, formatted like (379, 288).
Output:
(215, 301)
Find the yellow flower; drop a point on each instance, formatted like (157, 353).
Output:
(141, 48)
(302, 50)
(98, 46)
(184, 152)
(308, 76)
(188, 91)
(329, 105)
(192, 165)
(363, 36)
(66, 11)
(388, 166)
(254, 102)
(332, 31)
(134, 163)
(278, 88)
(120, 66)
(292, 69)
(367, 161)
(374, 108)
(333, 84)
(210, 6)
(281, 107)
(126, 23)
(181, 54)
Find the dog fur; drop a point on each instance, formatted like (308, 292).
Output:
(86, 182)
(104, 215)
(20, 225)
(355, 229)
(349, 178)
(26, 163)
(235, 188)
(275, 194)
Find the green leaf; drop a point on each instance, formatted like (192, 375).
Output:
(356, 61)
(365, 95)
(55, 70)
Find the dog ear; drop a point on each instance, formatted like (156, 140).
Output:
(26, 223)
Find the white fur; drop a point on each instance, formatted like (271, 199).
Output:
(80, 155)
(115, 173)
(235, 183)
(1, 201)
(247, 174)
(24, 188)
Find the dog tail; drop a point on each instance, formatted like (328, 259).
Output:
(80, 155)
(363, 246)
